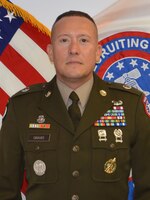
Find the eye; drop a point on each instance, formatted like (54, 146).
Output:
(84, 40)
(64, 40)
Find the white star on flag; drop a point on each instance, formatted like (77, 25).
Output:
(10, 16)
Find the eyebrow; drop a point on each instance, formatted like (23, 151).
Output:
(68, 35)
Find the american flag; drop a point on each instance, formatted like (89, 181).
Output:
(23, 57)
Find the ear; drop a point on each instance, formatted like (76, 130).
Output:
(50, 52)
(98, 52)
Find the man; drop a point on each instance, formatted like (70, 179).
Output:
(80, 149)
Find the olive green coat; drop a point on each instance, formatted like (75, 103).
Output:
(92, 163)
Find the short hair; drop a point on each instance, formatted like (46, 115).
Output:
(72, 13)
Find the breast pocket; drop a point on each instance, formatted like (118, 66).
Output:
(110, 159)
(41, 156)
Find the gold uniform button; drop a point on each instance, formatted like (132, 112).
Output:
(103, 93)
(76, 148)
(75, 197)
(75, 174)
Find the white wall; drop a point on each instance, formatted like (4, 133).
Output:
(47, 10)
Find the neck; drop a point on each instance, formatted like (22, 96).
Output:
(74, 83)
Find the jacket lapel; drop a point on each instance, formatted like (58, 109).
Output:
(98, 104)
(52, 103)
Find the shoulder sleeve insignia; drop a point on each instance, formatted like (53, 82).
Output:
(146, 106)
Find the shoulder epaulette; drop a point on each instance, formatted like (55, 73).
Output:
(125, 88)
(31, 89)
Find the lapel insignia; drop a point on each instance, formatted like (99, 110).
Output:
(48, 94)
(102, 135)
(114, 116)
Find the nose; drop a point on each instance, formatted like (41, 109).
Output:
(74, 48)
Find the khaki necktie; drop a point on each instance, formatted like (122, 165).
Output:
(74, 110)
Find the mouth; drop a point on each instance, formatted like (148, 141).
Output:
(72, 62)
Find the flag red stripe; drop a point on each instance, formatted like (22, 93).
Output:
(38, 37)
(130, 179)
(20, 67)
(3, 101)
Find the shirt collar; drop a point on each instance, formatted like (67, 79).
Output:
(83, 91)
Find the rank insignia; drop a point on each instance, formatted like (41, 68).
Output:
(39, 167)
(25, 89)
(102, 135)
(42, 126)
(110, 166)
(127, 87)
(113, 117)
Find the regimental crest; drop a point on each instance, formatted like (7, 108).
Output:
(126, 59)
(41, 119)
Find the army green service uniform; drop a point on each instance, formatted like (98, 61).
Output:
(92, 163)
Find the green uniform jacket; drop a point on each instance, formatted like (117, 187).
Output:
(91, 164)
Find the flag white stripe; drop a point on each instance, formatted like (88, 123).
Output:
(8, 81)
(24, 45)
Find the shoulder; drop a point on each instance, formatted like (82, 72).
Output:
(123, 88)
(117, 87)
(36, 88)
(30, 90)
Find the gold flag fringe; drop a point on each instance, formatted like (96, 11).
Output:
(27, 17)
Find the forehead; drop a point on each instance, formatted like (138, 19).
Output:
(74, 24)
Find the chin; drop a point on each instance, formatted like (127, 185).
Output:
(77, 76)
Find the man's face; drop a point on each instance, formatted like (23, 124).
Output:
(74, 49)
